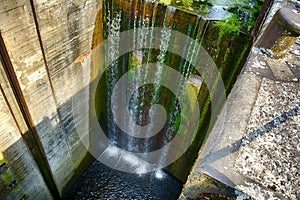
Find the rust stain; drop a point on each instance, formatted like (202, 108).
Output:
(82, 58)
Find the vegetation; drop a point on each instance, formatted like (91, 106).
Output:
(243, 17)
(165, 2)
(230, 26)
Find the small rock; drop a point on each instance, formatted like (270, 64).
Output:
(298, 41)
(267, 52)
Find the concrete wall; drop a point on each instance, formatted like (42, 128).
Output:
(19, 174)
(43, 39)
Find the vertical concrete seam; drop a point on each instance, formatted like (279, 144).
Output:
(9, 108)
(42, 50)
(49, 78)
(13, 80)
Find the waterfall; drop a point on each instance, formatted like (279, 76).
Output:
(134, 133)
(164, 43)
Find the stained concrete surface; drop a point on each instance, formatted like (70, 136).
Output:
(48, 76)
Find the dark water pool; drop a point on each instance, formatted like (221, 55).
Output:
(102, 182)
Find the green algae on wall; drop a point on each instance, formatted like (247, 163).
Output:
(228, 50)
(9, 186)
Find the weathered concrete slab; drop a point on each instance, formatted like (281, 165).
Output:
(19, 174)
(272, 158)
(47, 74)
(66, 30)
(21, 40)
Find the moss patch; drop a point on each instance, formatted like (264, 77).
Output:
(282, 46)
(230, 26)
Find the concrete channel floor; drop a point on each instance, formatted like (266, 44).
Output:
(255, 144)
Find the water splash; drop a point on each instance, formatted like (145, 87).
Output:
(159, 174)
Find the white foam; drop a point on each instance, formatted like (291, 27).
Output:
(159, 174)
(112, 150)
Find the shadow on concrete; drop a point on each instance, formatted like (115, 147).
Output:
(214, 156)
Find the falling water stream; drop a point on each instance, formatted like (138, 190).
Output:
(102, 182)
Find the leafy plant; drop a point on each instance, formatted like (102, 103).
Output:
(230, 26)
(247, 13)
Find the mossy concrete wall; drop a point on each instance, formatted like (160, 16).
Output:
(43, 39)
